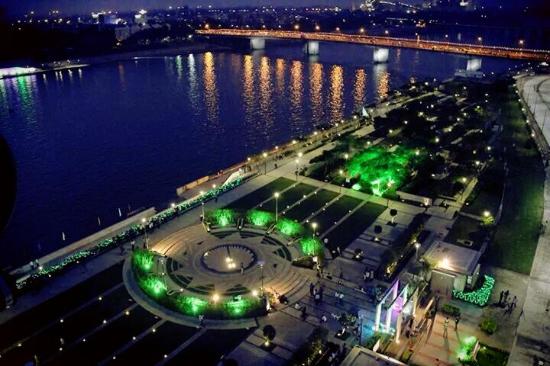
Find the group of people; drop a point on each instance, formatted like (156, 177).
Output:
(507, 302)
(446, 325)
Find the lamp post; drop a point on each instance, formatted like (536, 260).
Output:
(261, 264)
(265, 162)
(144, 225)
(276, 195)
(297, 168)
(314, 227)
(416, 247)
(202, 204)
(341, 174)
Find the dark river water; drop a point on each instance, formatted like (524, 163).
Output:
(126, 135)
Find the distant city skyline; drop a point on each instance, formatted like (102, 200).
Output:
(70, 7)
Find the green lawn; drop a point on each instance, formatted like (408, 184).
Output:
(289, 197)
(353, 226)
(517, 234)
(254, 198)
(466, 228)
(310, 205)
(486, 199)
(325, 219)
(488, 356)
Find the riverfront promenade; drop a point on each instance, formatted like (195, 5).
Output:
(533, 334)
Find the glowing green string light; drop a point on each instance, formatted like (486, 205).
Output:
(478, 297)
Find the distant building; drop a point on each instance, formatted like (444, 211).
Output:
(141, 17)
(455, 267)
(107, 19)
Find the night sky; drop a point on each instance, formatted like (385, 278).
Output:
(83, 6)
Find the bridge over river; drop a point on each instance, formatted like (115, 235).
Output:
(312, 39)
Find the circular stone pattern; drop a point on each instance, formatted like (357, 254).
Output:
(228, 258)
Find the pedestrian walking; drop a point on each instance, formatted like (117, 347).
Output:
(304, 313)
(311, 289)
(501, 298)
(317, 298)
(457, 320)
(242, 268)
(514, 302)
(133, 244)
(445, 326)
(506, 294)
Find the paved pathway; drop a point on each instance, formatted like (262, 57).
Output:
(533, 334)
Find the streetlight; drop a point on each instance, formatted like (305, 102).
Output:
(265, 162)
(416, 246)
(314, 227)
(297, 168)
(317, 28)
(261, 264)
(341, 174)
(202, 203)
(144, 225)
(276, 195)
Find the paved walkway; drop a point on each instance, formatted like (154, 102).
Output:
(533, 334)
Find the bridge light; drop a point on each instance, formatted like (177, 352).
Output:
(386, 32)
(361, 30)
(296, 27)
(317, 28)
(521, 42)
(206, 26)
(337, 29)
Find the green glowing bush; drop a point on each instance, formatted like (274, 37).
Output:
(153, 286)
(190, 305)
(260, 218)
(289, 227)
(381, 170)
(466, 349)
(311, 246)
(488, 325)
(143, 259)
(238, 308)
(222, 217)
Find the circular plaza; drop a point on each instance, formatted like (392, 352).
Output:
(223, 278)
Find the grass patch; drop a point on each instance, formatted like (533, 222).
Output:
(353, 226)
(325, 219)
(517, 234)
(289, 197)
(255, 198)
(310, 205)
(466, 228)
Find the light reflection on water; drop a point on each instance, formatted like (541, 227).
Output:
(210, 88)
(127, 134)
